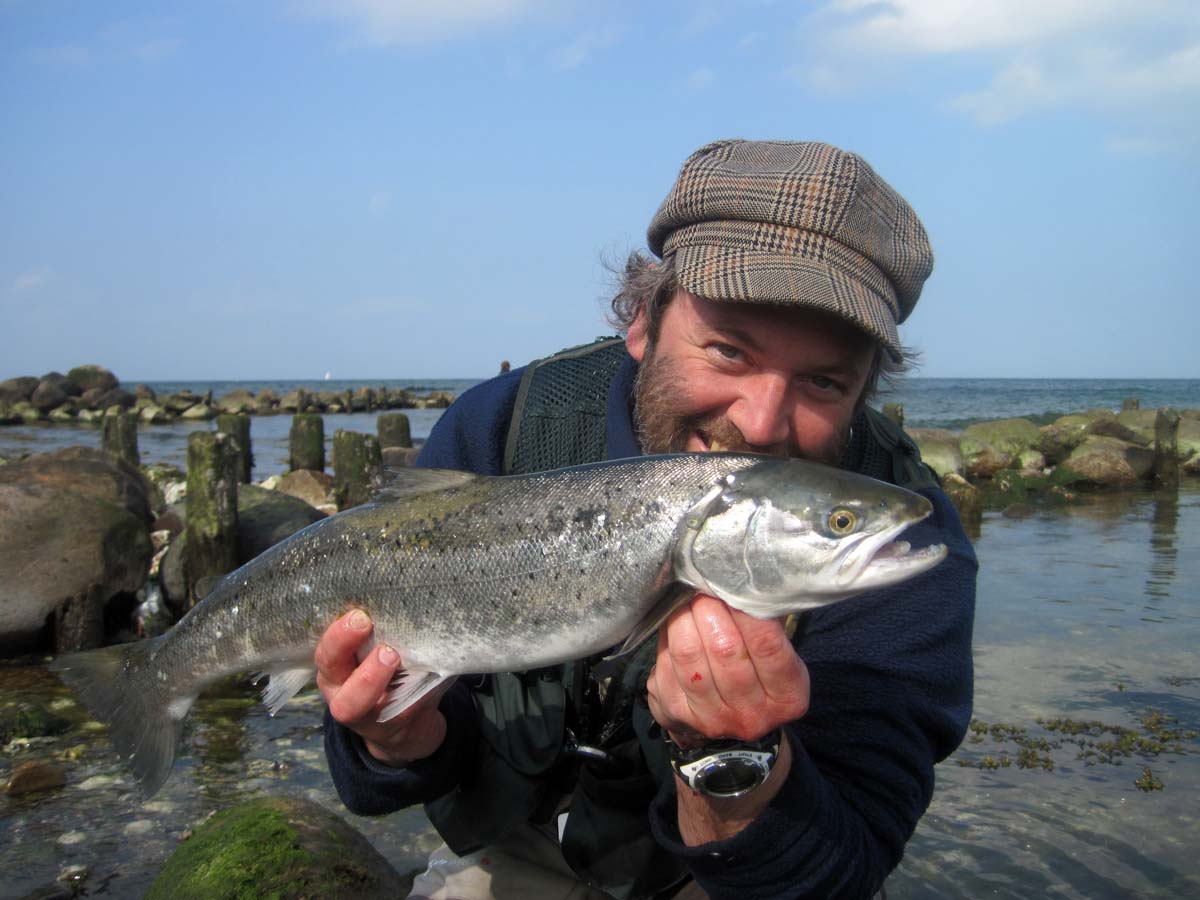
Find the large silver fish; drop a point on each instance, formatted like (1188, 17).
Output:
(469, 574)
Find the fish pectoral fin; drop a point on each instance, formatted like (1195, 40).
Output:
(283, 684)
(671, 598)
(395, 484)
(407, 687)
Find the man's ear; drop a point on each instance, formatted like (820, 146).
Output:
(636, 336)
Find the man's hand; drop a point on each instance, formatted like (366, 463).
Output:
(356, 693)
(721, 673)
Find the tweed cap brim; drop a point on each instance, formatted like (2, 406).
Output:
(795, 223)
(710, 265)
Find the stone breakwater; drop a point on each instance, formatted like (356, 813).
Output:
(89, 393)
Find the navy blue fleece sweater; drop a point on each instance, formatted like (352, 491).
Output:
(891, 695)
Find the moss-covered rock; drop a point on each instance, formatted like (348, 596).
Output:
(1104, 462)
(966, 499)
(1009, 436)
(279, 848)
(939, 449)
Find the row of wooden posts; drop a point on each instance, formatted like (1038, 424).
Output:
(218, 461)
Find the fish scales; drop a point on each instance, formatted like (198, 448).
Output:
(467, 574)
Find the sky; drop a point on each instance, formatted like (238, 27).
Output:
(279, 189)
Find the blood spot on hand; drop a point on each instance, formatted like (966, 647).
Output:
(696, 677)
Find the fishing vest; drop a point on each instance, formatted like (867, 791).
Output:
(579, 736)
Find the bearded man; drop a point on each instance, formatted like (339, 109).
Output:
(765, 322)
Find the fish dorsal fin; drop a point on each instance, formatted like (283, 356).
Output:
(672, 597)
(396, 484)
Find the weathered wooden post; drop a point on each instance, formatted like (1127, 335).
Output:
(237, 426)
(306, 442)
(356, 463)
(895, 412)
(394, 430)
(1166, 447)
(118, 436)
(212, 521)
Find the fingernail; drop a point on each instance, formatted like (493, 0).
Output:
(387, 655)
(359, 620)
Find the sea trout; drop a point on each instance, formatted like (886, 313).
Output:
(465, 573)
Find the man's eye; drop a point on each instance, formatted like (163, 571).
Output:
(727, 351)
(824, 383)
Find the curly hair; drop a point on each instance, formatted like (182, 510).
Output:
(645, 283)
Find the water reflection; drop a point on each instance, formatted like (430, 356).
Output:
(1163, 551)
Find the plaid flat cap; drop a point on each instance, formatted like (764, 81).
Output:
(793, 222)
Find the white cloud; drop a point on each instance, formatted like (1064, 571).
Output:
(583, 48)
(392, 22)
(30, 281)
(1138, 64)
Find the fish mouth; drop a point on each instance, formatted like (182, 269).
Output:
(879, 560)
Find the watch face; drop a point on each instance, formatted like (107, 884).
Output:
(729, 779)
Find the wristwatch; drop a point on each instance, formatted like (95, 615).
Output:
(725, 768)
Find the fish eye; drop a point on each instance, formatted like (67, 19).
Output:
(842, 521)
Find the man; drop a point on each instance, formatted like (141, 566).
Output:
(765, 325)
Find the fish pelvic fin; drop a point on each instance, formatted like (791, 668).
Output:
(118, 687)
(407, 687)
(283, 684)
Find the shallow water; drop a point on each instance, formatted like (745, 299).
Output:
(1090, 612)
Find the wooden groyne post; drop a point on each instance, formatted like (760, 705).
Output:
(394, 430)
(118, 436)
(357, 460)
(306, 442)
(1166, 448)
(212, 519)
(237, 426)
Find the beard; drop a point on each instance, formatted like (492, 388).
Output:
(664, 425)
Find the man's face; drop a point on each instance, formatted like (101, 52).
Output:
(738, 376)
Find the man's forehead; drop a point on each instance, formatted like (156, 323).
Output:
(756, 317)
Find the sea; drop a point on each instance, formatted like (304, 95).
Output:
(1079, 776)
(952, 403)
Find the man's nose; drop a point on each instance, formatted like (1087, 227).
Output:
(763, 412)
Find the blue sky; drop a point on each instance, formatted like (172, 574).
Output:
(278, 189)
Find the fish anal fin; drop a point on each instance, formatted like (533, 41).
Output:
(407, 687)
(284, 683)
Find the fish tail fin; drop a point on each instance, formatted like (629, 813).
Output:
(118, 687)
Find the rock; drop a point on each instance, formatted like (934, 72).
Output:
(1115, 429)
(64, 413)
(171, 577)
(30, 719)
(1031, 462)
(89, 472)
(987, 461)
(276, 847)
(110, 398)
(33, 776)
(1058, 440)
(966, 499)
(295, 401)
(267, 402)
(72, 537)
(152, 414)
(28, 413)
(15, 390)
(199, 412)
(1009, 436)
(7, 416)
(47, 395)
(435, 400)
(363, 399)
(939, 450)
(267, 517)
(180, 401)
(145, 392)
(314, 488)
(89, 377)
(1104, 461)
(238, 401)
(399, 457)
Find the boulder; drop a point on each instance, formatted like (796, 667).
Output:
(435, 400)
(1009, 436)
(29, 415)
(966, 499)
(152, 414)
(64, 555)
(295, 401)
(284, 847)
(266, 402)
(92, 376)
(985, 462)
(363, 399)
(14, 390)
(180, 401)
(238, 401)
(1105, 462)
(1058, 440)
(144, 391)
(101, 399)
(399, 457)
(1116, 429)
(939, 450)
(47, 395)
(199, 412)
(314, 488)
(1031, 462)
(7, 416)
(64, 413)
(87, 471)
(34, 776)
(267, 517)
